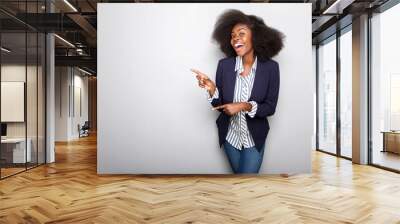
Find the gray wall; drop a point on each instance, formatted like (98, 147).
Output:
(152, 116)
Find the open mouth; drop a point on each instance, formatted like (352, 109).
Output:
(238, 45)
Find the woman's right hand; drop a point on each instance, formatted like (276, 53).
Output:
(205, 81)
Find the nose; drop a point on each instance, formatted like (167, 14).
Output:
(235, 38)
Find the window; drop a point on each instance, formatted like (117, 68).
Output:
(385, 89)
(327, 96)
(346, 75)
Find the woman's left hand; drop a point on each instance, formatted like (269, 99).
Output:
(234, 108)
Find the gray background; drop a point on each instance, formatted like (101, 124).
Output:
(152, 116)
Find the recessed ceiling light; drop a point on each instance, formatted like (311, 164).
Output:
(337, 7)
(84, 71)
(5, 50)
(64, 40)
(70, 5)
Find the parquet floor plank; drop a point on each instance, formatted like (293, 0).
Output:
(70, 191)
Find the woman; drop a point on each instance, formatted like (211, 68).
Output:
(246, 89)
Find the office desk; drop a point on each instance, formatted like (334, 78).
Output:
(391, 141)
(13, 150)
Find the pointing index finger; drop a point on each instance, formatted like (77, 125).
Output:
(197, 72)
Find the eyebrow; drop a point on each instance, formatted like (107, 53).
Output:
(240, 29)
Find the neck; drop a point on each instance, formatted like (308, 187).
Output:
(248, 59)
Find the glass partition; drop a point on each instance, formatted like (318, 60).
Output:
(22, 77)
(14, 153)
(32, 95)
(41, 87)
(327, 96)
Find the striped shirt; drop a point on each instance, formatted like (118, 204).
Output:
(238, 132)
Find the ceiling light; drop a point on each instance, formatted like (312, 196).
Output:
(5, 50)
(70, 5)
(64, 40)
(337, 7)
(84, 71)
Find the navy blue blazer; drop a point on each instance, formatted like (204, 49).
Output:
(265, 93)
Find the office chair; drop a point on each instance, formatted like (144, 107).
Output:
(84, 130)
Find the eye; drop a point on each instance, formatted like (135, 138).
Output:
(241, 34)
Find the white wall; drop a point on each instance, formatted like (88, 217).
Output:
(68, 81)
(80, 84)
(314, 72)
(153, 118)
(17, 72)
(62, 80)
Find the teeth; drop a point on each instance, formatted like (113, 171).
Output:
(238, 45)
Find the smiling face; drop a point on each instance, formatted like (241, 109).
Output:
(241, 39)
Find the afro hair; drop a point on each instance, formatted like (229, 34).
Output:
(267, 41)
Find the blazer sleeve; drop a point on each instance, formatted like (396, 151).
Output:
(268, 106)
(218, 83)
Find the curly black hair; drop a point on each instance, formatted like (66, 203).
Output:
(267, 41)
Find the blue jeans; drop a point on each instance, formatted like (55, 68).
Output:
(247, 160)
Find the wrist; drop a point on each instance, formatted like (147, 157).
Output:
(246, 106)
(211, 91)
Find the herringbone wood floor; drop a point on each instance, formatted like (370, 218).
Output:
(70, 191)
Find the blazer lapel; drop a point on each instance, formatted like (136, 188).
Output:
(231, 81)
(258, 81)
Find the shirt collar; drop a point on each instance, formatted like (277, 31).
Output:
(239, 64)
